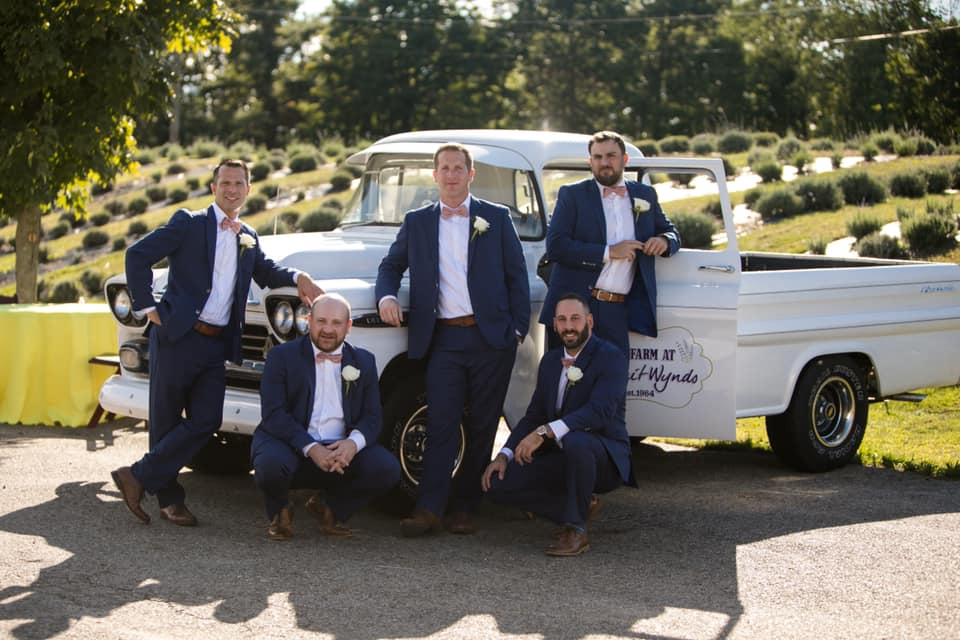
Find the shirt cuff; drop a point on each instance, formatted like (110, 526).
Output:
(146, 310)
(606, 255)
(509, 453)
(307, 448)
(357, 436)
(380, 301)
(560, 429)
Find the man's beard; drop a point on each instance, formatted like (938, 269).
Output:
(577, 342)
(610, 181)
(332, 349)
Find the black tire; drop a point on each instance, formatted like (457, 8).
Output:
(224, 454)
(405, 433)
(827, 417)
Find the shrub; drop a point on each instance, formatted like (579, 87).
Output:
(862, 224)
(908, 185)
(340, 181)
(259, 171)
(273, 227)
(751, 196)
(303, 162)
(819, 195)
(137, 206)
(145, 157)
(333, 149)
(675, 144)
(137, 228)
(193, 183)
(59, 230)
(72, 219)
(242, 150)
(171, 151)
(779, 203)
(768, 170)
(648, 147)
(290, 218)
(65, 292)
(801, 160)
(256, 203)
(836, 160)
(335, 205)
(760, 155)
(115, 207)
(204, 148)
(98, 189)
(277, 159)
(100, 219)
(925, 146)
(788, 148)
(175, 168)
(157, 194)
(354, 170)
(931, 233)
(43, 254)
(696, 229)
(823, 144)
(734, 142)
(817, 246)
(119, 244)
(906, 148)
(860, 188)
(904, 214)
(94, 239)
(765, 138)
(269, 190)
(156, 176)
(938, 179)
(955, 176)
(887, 141)
(91, 281)
(703, 144)
(681, 179)
(869, 152)
(878, 245)
(729, 170)
(322, 219)
(712, 208)
(178, 195)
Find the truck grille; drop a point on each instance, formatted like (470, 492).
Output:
(254, 345)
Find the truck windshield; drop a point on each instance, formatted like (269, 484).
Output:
(391, 186)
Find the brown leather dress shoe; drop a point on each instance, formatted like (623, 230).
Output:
(461, 522)
(420, 523)
(569, 543)
(328, 521)
(179, 515)
(281, 527)
(131, 491)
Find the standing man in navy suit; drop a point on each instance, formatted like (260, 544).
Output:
(469, 308)
(194, 328)
(572, 443)
(320, 402)
(603, 236)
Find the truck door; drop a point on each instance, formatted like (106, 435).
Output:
(683, 382)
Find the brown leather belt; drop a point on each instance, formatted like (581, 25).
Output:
(606, 296)
(210, 330)
(460, 321)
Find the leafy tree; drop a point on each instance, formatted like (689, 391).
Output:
(74, 76)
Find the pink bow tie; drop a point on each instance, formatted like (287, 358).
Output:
(620, 190)
(449, 212)
(327, 357)
(233, 225)
(568, 362)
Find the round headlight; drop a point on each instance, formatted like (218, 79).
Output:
(283, 318)
(303, 318)
(122, 305)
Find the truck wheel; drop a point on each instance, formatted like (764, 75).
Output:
(224, 454)
(405, 432)
(827, 417)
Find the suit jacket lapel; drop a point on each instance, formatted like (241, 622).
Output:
(474, 207)
(308, 365)
(211, 229)
(433, 240)
(553, 382)
(347, 360)
(594, 191)
(584, 358)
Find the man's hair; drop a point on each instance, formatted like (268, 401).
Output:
(239, 164)
(453, 146)
(571, 295)
(604, 136)
(332, 296)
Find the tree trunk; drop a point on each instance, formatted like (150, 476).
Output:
(28, 253)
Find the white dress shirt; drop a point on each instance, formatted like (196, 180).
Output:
(617, 275)
(454, 296)
(326, 419)
(217, 309)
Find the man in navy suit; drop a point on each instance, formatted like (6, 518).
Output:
(194, 328)
(603, 236)
(572, 443)
(469, 308)
(320, 402)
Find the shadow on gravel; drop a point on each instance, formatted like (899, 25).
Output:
(669, 545)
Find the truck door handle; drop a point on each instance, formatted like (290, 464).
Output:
(725, 268)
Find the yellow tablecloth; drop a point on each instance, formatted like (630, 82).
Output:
(44, 376)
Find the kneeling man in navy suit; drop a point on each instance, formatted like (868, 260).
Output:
(320, 407)
(572, 443)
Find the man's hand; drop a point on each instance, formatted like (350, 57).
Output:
(308, 289)
(498, 466)
(655, 246)
(524, 452)
(325, 458)
(624, 250)
(390, 311)
(344, 451)
(154, 317)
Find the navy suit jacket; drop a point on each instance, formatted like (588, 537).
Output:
(188, 241)
(496, 275)
(595, 404)
(288, 386)
(577, 238)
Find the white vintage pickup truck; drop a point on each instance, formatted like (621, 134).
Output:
(807, 341)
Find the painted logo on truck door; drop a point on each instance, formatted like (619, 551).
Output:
(667, 370)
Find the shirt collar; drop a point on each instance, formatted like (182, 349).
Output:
(566, 354)
(465, 203)
(336, 352)
(221, 214)
(622, 183)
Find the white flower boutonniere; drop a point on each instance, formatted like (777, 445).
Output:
(574, 374)
(350, 374)
(480, 225)
(640, 206)
(246, 242)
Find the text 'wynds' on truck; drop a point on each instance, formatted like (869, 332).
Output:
(807, 341)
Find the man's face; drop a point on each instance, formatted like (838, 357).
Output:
(230, 189)
(573, 323)
(452, 177)
(607, 162)
(329, 323)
